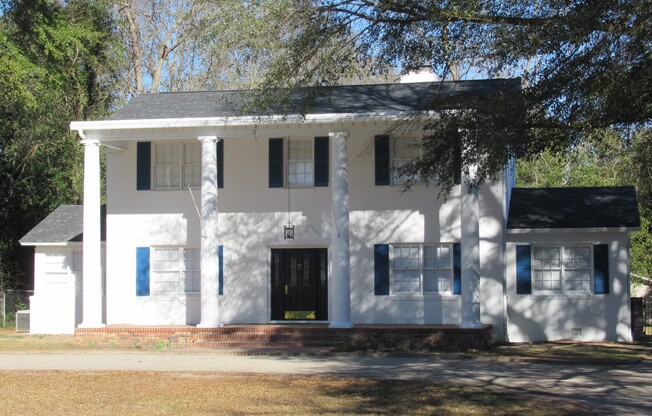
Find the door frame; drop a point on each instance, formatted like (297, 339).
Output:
(270, 288)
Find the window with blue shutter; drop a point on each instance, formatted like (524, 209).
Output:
(220, 163)
(381, 269)
(220, 260)
(143, 166)
(457, 268)
(142, 271)
(523, 270)
(381, 159)
(275, 163)
(321, 161)
(601, 269)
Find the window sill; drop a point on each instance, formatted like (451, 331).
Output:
(562, 296)
(170, 297)
(425, 297)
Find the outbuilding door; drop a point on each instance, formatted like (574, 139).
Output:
(299, 284)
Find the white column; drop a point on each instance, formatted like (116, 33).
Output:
(92, 245)
(210, 312)
(470, 256)
(340, 316)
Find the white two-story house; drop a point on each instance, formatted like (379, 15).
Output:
(215, 216)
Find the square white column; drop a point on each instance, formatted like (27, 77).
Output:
(470, 247)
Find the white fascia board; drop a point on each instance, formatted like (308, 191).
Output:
(233, 121)
(517, 231)
(45, 243)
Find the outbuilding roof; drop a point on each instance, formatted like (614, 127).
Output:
(350, 99)
(63, 225)
(586, 207)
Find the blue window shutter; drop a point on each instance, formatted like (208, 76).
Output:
(220, 260)
(457, 268)
(601, 269)
(381, 269)
(143, 166)
(220, 163)
(523, 270)
(381, 158)
(275, 163)
(321, 161)
(142, 271)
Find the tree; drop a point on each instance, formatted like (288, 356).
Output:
(584, 65)
(604, 159)
(55, 67)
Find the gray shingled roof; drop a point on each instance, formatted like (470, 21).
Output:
(352, 99)
(590, 207)
(63, 225)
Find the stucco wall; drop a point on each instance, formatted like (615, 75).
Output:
(250, 223)
(586, 317)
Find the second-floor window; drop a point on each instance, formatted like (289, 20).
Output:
(300, 163)
(405, 150)
(177, 165)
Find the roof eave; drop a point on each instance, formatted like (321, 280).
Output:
(235, 121)
(571, 230)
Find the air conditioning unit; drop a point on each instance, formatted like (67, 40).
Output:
(22, 321)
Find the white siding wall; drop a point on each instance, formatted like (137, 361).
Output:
(550, 317)
(250, 222)
(55, 307)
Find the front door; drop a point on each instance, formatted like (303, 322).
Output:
(300, 284)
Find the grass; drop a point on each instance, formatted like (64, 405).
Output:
(111, 393)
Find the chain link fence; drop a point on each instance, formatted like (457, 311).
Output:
(12, 301)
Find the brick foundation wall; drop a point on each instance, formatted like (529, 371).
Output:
(359, 338)
(638, 320)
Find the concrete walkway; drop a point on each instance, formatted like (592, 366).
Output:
(618, 390)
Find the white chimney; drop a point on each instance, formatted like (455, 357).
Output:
(419, 74)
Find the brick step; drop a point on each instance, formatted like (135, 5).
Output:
(253, 336)
(263, 344)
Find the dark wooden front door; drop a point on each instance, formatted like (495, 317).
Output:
(300, 284)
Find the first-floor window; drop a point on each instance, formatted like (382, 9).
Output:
(421, 268)
(176, 270)
(560, 269)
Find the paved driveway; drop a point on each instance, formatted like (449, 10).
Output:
(620, 389)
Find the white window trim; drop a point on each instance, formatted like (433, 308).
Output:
(423, 294)
(563, 291)
(286, 161)
(412, 140)
(155, 281)
(180, 165)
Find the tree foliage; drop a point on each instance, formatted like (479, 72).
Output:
(604, 159)
(55, 67)
(584, 65)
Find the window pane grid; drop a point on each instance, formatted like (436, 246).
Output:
(176, 270)
(405, 150)
(177, 165)
(420, 268)
(300, 163)
(567, 269)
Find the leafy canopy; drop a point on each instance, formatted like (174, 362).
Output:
(583, 64)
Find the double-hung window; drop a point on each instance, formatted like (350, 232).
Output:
(176, 270)
(405, 151)
(300, 163)
(562, 269)
(421, 268)
(177, 165)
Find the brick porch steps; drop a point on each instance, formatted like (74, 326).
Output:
(290, 337)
